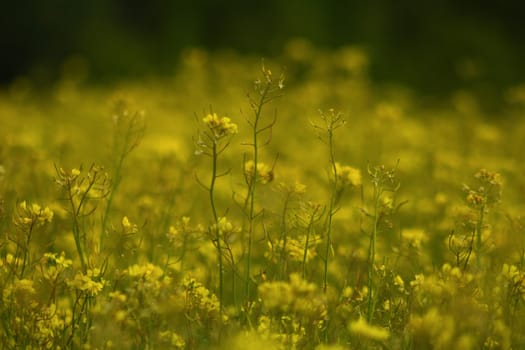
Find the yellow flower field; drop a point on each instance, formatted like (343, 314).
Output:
(288, 204)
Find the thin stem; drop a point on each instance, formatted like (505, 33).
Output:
(282, 257)
(76, 229)
(216, 221)
(307, 240)
(253, 183)
(479, 229)
(331, 207)
(372, 251)
(27, 254)
(109, 204)
(132, 136)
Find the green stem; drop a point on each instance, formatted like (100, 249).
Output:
(216, 221)
(109, 204)
(372, 253)
(479, 229)
(27, 254)
(330, 208)
(253, 184)
(307, 243)
(282, 257)
(76, 230)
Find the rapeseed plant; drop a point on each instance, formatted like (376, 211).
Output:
(81, 193)
(212, 142)
(26, 221)
(384, 181)
(128, 132)
(267, 89)
(330, 123)
(480, 199)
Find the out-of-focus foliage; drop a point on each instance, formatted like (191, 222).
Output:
(431, 46)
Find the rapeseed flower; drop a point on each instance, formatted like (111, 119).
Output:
(87, 284)
(414, 236)
(362, 328)
(128, 227)
(348, 175)
(220, 127)
(399, 283)
(434, 328)
(297, 295)
(146, 271)
(33, 214)
(199, 297)
(264, 172)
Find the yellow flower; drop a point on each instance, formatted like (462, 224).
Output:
(85, 283)
(9, 258)
(148, 271)
(299, 187)
(348, 175)
(414, 236)
(125, 222)
(24, 286)
(475, 199)
(177, 341)
(296, 295)
(46, 215)
(433, 327)
(225, 225)
(199, 296)
(33, 214)
(264, 172)
(55, 265)
(399, 283)
(185, 221)
(119, 296)
(226, 228)
(120, 315)
(347, 292)
(129, 227)
(511, 272)
(220, 127)
(62, 261)
(362, 328)
(489, 177)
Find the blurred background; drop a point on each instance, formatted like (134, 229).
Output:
(431, 47)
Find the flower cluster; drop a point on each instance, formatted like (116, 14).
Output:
(220, 127)
(488, 191)
(199, 300)
(264, 172)
(297, 295)
(33, 215)
(90, 283)
(515, 279)
(128, 227)
(348, 175)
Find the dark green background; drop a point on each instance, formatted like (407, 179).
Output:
(417, 43)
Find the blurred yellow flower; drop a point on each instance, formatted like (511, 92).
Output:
(348, 175)
(362, 328)
(220, 127)
(264, 172)
(85, 283)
